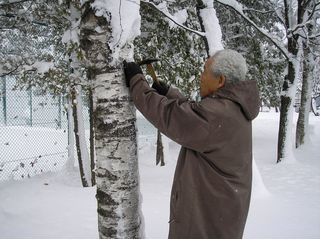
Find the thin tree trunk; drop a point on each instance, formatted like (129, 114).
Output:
(82, 137)
(76, 92)
(92, 151)
(305, 104)
(306, 92)
(285, 137)
(76, 133)
(159, 155)
(71, 158)
(117, 177)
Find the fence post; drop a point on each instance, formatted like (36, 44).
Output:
(30, 104)
(4, 100)
(59, 111)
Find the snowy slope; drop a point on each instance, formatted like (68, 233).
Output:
(55, 205)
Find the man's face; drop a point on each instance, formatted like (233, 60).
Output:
(209, 83)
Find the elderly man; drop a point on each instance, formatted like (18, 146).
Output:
(212, 183)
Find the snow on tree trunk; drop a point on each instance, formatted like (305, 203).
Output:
(91, 139)
(210, 25)
(294, 13)
(308, 76)
(285, 135)
(306, 94)
(107, 31)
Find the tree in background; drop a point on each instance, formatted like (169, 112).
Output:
(311, 54)
(265, 64)
(294, 17)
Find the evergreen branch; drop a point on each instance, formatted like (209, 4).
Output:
(236, 7)
(13, 2)
(10, 15)
(199, 33)
(279, 16)
(9, 73)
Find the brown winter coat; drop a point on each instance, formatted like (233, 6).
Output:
(212, 184)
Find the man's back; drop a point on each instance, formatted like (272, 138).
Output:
(212, 185)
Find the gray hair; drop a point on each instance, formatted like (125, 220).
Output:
(231, 64)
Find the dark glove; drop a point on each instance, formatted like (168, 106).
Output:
(130, 70)
(161, 87)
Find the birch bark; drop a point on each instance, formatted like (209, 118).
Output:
(117, 177)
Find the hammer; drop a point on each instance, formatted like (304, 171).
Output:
(150, 69)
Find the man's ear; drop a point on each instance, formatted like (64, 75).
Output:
(222, 81)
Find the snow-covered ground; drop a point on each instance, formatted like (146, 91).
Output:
(55, 205)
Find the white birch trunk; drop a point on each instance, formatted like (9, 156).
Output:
(117, 176)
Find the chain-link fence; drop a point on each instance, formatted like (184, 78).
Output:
(33, 131)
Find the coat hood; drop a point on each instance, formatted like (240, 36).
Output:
(244, 93)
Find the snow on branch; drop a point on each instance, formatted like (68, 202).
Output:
(172, 18)
(211, 26)
(306, 22)
(40, 67)
(125, 21)
(233, 4)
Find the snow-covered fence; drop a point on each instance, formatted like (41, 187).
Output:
(33, 131)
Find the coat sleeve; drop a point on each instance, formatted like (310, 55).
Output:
(181, 120)
(174, 93)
